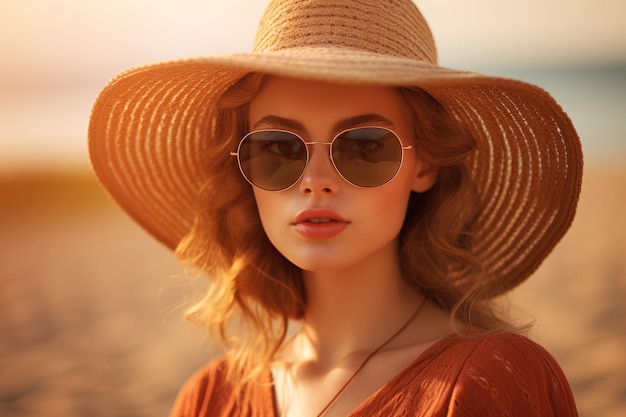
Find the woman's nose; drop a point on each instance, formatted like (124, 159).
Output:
(320, 175)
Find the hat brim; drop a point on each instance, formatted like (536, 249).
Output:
(150, 129)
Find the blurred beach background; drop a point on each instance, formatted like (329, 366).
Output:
(91, 307)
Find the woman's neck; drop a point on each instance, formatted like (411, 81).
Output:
(353, 311)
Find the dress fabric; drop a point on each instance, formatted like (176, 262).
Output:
(501, 374)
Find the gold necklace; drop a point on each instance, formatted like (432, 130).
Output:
(370, 356)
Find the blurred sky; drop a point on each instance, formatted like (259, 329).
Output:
(57, 54)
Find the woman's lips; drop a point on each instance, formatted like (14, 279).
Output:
(319, 224)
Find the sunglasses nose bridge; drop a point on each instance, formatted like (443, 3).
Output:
(309, 150)
(319, 161)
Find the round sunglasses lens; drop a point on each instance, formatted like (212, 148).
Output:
(367, 157)
(272, 160)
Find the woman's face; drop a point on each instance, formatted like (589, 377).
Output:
(323, 222)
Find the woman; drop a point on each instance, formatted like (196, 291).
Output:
(337, 185)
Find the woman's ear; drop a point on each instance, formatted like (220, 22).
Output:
(425, 177)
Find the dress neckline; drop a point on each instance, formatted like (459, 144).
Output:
(438, 346)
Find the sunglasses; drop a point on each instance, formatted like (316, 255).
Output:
(274, 160)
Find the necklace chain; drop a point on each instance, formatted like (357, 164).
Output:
(370, 356)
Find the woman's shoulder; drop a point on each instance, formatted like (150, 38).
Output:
(208, 392)
(202, 390)
(497, 346)
(511, 375)
(511, 356)
(477, 375)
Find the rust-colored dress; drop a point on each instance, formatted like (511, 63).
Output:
(496, 375)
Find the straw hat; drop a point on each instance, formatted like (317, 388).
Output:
(150, 126)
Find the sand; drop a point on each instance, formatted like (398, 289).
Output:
(91, 308)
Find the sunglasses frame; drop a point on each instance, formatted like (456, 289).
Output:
(330, 155)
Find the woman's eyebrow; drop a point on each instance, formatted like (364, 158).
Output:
(279, 122)
(372, 119)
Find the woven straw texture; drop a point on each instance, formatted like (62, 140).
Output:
(150, 125)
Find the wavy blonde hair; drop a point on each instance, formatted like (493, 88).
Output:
(254, 291)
